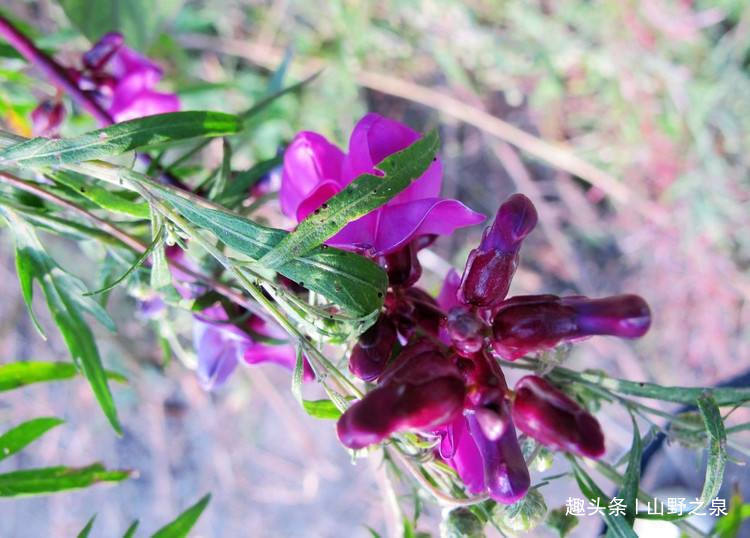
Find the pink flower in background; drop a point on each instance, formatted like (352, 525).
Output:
(221, 346)
(46, 118)
(315, 170)
(123, 81)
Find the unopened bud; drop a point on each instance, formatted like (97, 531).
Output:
(490, 267)
(545, 413)
(461, 523)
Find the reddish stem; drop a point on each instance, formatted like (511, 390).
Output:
(52, 70)
(58, 75)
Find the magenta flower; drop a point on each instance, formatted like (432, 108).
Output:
(46, 118)
(420, 390)
(315, 170)
(545, 413)
(221, 346)
(123, 81)
(491, 266)
(529, 323)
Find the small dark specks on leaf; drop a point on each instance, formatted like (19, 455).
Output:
(325, 206)
(324, 247)
(301, 283)
(317, 211)
(337, 287)
(83, 189)
(308, 337)
(380, 294)
(642, 384)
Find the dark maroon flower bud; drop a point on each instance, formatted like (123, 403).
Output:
(465, 330)
(530, 323)
(402, 266)
(46, 118)
(102, 51)
(426, 312)
(421, 390)
(490, 267)
(545, 413)
(370, 356)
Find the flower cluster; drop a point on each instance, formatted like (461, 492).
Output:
(435, 364)
(119, 79)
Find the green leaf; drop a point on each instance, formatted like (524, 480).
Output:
(717, 447)
(130, 532)
(324, 409)
(87, 529)
(728, 526)
(617, 524)
(632, 477)
(237, 189)
(683, 395)
(121, 137)
(146, 253)
(361, 196)
(161, 277)
(66, 302)
(222, 180)
(54, 479)
(17, 438)
(19, 374)
(354, 283)
(180, 527)
(104, 198)
(138, 20)
(561, 521)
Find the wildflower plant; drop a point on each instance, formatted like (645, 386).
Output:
(413, 380)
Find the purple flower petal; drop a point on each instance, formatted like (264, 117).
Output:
(447, 298)
(127, 106)
(323, 192)
(399, 224)
(308, 161)
(373, 139)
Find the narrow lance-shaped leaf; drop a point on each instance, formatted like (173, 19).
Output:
(683, 395)
(361, 196)
(617, 524)
(19, 374)
(104, 198)
(717, 447)
(130, 532)
(180, 527)
(87, 529)
(323, 409)
(629, 490)
(66, 302)
(22, 435)
(241, 182)
(122, 137)
(353, 282)
(54, 479)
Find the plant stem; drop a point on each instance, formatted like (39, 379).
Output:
(58, 76)
(125, 238)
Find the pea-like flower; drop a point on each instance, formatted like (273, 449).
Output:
(123, 81)
(315, 170)
(47, 117)
(529, 323)
(545, 413)
(370, 355)
(222, 345)
(491, 266)
(420, 390)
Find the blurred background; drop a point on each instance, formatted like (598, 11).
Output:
(626, 122)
